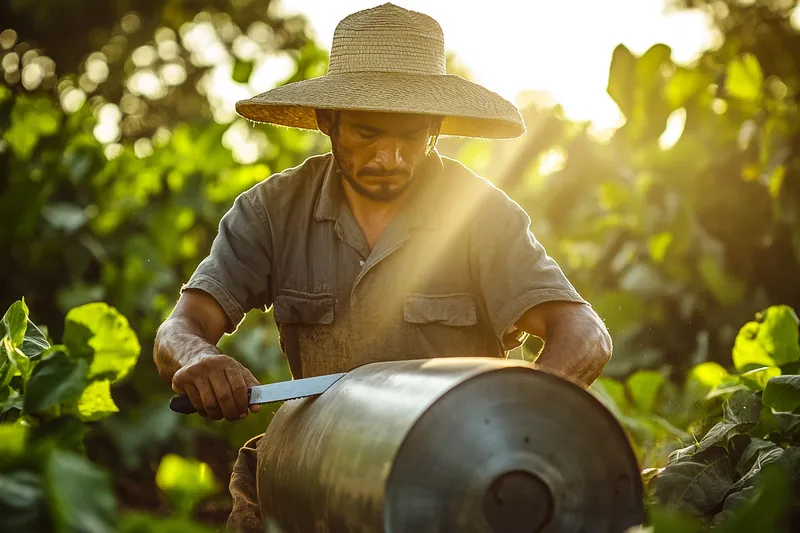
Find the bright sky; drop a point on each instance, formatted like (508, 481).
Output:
(562, 47)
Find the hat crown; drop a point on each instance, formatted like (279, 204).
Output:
(388, 38)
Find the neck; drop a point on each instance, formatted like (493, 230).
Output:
(373, 217)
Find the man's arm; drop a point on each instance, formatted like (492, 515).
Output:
(577, 344)
(188, 359)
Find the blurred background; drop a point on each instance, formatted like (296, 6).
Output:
(661, 168)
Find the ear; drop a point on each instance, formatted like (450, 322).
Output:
(324, 120)
(436, 126)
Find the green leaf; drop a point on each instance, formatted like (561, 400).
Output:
(644, 386)
(658, 246)
(762, 508)
(96, 403)
(56, 379)
(709, 374)
(751, 453)
(757, 378)
(15, 322)
(695, 485)
(744, 79)
(685, 84)
(185, 481)
(100, 333)
(21, 364)
(35, 341)
(12, 442)
(782, 393)
(742, 408)
(31, 119)
(622, 79)
(771, 340)
(22, 502)
(81, 499)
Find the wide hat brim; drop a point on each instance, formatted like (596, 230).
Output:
(469, 110)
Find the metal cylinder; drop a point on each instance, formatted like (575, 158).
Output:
(477, 445)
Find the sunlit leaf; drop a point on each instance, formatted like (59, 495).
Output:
(782, 393)
(101, 334)
(80, 495)
(744, 79)
(185, 481)
(15, 323)
(96, 402)
(772, 340)
(757, 378)
(709, 374)
(242, 70)
(658, 245)
(31, 119)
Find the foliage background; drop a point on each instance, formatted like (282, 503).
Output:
(118, 159)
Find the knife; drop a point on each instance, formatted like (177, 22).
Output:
(273, 392)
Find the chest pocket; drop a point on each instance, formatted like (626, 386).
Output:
(441, 325)
(305, 322)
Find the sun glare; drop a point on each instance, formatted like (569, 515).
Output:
(559, 48)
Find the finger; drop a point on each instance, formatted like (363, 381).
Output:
(208, 398)
(194, 397)
(239, 390)
(224, 395)
(251, 381)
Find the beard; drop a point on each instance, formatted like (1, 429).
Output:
(344, 161)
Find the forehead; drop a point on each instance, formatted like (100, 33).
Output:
(388, 122)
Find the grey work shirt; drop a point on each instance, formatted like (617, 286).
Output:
(450, 276)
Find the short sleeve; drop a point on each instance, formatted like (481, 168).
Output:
(513, 268)
(236, 272)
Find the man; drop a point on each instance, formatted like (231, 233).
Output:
(380, 250)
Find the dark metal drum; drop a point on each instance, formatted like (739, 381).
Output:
(449, 445)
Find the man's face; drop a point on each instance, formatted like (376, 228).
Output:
(379, 154)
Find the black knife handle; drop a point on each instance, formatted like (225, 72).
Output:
(182, 404)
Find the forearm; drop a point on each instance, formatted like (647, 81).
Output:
(577, 344)
(578, 357)
(178, 343)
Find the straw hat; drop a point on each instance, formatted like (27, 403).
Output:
(389, 59)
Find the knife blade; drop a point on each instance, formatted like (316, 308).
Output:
(272, 392)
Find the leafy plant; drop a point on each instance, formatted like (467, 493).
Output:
(50, 394)
(718, 477)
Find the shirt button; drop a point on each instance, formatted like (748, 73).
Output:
(361, 263)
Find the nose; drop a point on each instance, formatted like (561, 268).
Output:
(388, 154)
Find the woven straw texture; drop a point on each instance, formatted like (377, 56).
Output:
(389, 59)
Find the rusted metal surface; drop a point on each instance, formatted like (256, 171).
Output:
(445, 445)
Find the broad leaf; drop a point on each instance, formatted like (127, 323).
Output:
(56, 379)
(782, 393)
(697, 485)
(35, 341)
(96, 403)
(748, 457)
(100, 333)
(15, 322)
(185, 481)
(761, 507)
(757, 378)
(772, 340)
(81, 499)
(22, 502)
(742, 407)
(644, 386)
(709, 374)
(744, 79)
